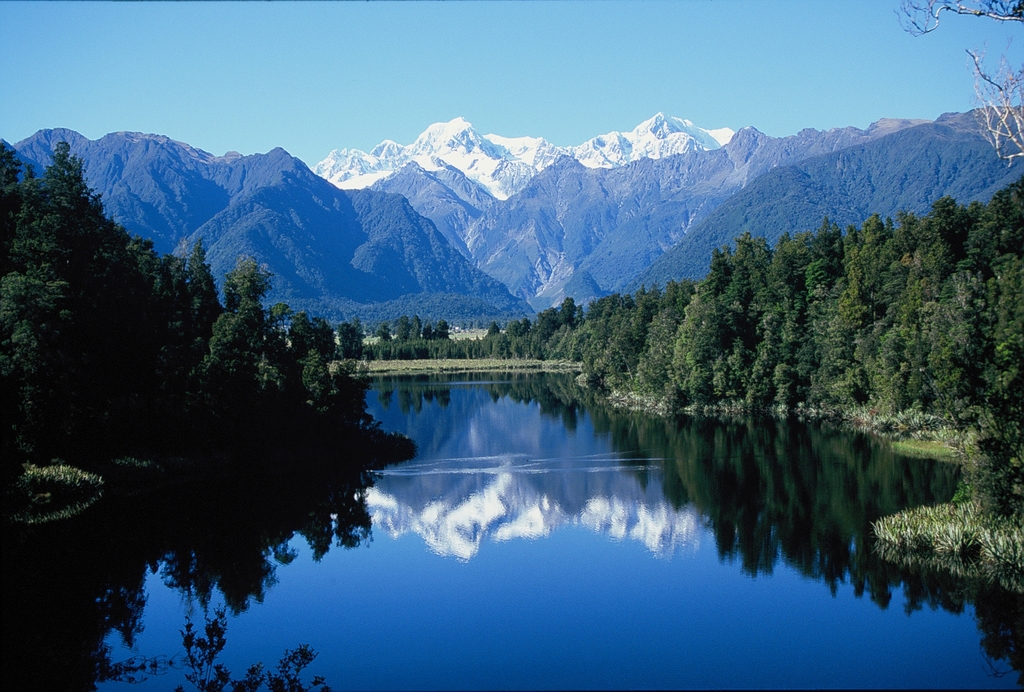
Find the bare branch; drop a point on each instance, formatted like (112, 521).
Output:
(920, 17)
(1001, 110)
(999, 93)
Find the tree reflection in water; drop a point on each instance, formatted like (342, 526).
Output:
(769, 490)
(71, 584)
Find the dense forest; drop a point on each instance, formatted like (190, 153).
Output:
(922, 315)
(108, 350)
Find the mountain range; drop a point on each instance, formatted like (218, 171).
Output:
(475, 227)
(504, 165)
(336, 253)
(907, 170)
(585, 230)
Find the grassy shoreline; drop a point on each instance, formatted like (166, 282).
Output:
(427, 366)
(956, 536)
(911, 432)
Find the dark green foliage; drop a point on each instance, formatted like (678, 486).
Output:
(350, 340)
(925, 314)
(312, 335)
(403, 329)
(78, 295)
(108, 349)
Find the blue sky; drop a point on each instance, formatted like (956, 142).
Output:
(311, 77)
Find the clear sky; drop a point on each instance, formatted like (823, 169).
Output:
(311, 77)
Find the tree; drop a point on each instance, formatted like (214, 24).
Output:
(403, 329)
(311, 335)
(77, 305)
(922, 16)
(10, 203)
(202, 291)
(350, 341)
(569, 312)
(999, 91)
(1001, 94)
(242, 366)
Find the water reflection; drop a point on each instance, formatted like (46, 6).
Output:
(515, 496)
(70, 584)
(501, 459)
(768, 491)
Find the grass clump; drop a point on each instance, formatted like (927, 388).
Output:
(908, 423)
(958, 537)
(52, 493)
(925, 449)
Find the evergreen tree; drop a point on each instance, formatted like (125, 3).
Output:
(403, 329)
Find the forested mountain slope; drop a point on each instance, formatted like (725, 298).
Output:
(331, 251)
(905, 171)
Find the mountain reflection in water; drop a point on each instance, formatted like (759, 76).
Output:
(514, 496)
(585, 547)
(767, 491)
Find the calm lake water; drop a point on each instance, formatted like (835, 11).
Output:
(540, 540)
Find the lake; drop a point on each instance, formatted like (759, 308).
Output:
(539, 539)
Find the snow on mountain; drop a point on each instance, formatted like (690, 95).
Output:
(351, 169)
(722, 135)
(656, 138)
(534, 151)
(503, 165)
(452, 144)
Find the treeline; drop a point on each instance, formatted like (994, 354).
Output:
(523, 338)
(107, 348)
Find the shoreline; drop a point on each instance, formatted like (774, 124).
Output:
(915, 433)
(447, 365)
(956, 536)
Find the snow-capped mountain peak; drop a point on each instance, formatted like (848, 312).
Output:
(659, 126)
(503, 165)
(534, 151)
(455, 135)
(386, 149)
(654, 138)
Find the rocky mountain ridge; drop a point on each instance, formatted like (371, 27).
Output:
(504, 165)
